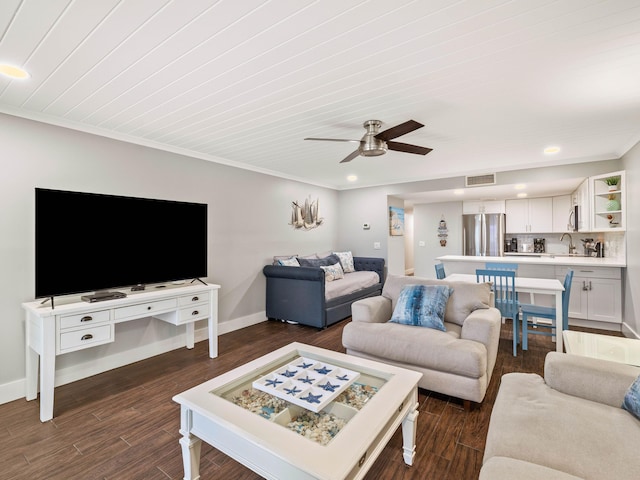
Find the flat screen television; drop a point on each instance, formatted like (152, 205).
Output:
(92, 242)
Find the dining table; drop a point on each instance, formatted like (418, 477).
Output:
(533, 286)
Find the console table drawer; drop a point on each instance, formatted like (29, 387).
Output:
(194, 312)
(193, 299)
(85, 338)
(150, 308)
(84, 319)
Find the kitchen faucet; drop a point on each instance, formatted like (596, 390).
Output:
(572, 247)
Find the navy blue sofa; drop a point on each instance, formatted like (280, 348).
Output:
(298, 293)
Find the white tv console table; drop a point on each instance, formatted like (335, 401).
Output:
(75, 325)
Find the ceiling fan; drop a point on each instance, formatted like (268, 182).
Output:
(375, 143)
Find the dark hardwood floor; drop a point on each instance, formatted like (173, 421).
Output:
(123, 424)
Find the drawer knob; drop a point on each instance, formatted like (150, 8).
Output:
(149, 307)
(88, 336)
(86, 318)
(195, 299)
(195, 312)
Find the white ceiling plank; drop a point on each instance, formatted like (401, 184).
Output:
(243, 83)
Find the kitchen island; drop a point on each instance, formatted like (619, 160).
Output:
(596, 290)
(540, 259)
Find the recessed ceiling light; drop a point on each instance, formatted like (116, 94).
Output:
(13, 72)
(551, 150)
(522, 195)
(352, 178)
(520, 186)
(458, 191)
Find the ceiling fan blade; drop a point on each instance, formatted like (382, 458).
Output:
(407, 148)
(332, 140)
(399, 130)
(351, 156)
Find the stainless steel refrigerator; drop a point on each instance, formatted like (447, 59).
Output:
(483, 234)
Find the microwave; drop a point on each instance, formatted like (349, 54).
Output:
(572, 224)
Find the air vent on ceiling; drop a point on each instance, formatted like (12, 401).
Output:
(480, 180)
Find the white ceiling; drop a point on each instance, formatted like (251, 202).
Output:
(243, 82)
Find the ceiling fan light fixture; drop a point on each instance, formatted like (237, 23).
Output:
(375, 143)
(372, 147)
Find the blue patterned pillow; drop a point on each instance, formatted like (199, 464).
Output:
(346, 260)
(631, 401)
(289, 262)
(332, 272)
(422, 305)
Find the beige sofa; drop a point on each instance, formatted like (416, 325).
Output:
(456, 362)
(566, 426)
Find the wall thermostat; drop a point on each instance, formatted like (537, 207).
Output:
(366, 226)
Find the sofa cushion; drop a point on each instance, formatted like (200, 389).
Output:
(534, 423)
(351, 283)
(346, 260)
(466, 298)
(631, 401)
(332, 272)
(423, 347)
(318, 262)
(469, 297)
(510, 468)
(422, 306)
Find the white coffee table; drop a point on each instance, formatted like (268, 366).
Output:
(217, 412)
(605, 347)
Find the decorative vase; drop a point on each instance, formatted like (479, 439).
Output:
(613, 188)
(613, 203)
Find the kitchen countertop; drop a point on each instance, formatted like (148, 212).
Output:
(541, 259)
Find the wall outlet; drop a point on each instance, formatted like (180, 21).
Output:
(376, 245)
(421, 243)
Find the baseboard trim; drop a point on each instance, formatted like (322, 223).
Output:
(629, 332)
(16, 389)
(241, 322)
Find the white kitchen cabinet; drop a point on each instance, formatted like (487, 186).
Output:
(562, 211)
(492, 206)
(596, 294)
(532, 215)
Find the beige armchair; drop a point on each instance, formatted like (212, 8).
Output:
(456, 362)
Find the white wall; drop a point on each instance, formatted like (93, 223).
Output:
(426, 218)
(631, 310)
(248, 224)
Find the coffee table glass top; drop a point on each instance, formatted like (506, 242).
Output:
(309, 396)
(605, 347)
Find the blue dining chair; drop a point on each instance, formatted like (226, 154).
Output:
(549, 313)
(504, 290)
(505, 266)
(440, 271)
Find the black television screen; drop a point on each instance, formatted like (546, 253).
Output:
(87, 242)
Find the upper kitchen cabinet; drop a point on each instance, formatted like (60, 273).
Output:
(563, 213)
(530, 215)
(583, 200)
(492, 206)
(608, 202)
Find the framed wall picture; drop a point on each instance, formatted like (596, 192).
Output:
(396, 221)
